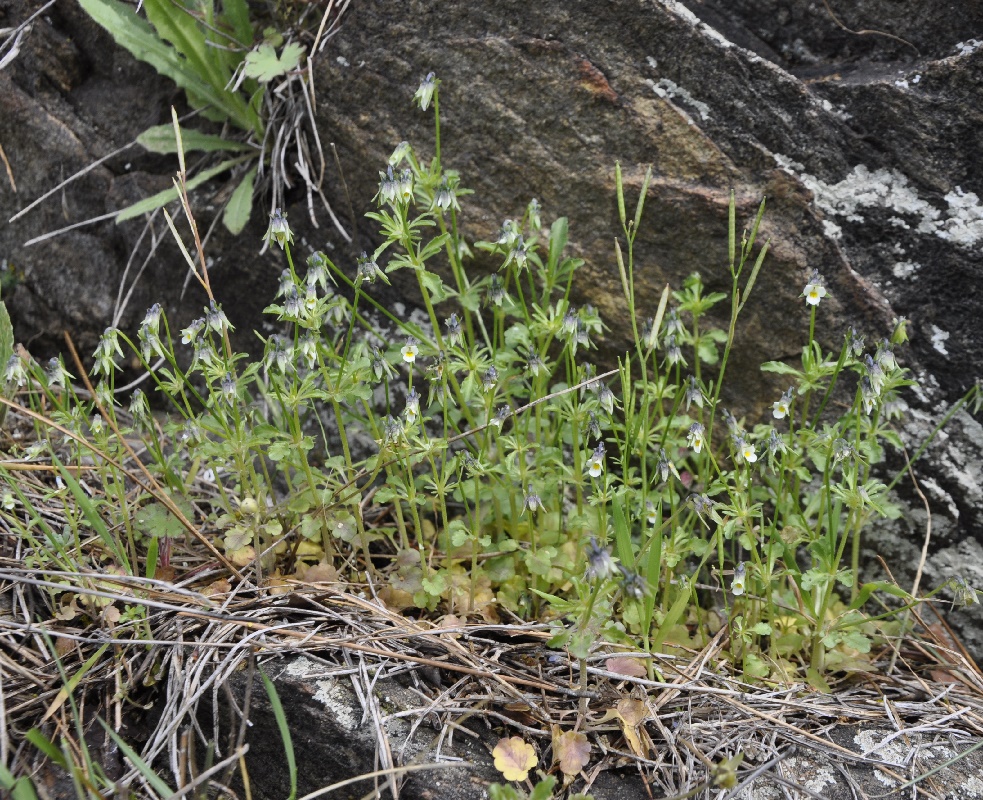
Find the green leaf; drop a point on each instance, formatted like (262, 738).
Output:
(6, 336)
(264, 65)
(499, 791)
(42, 743)
(19, 788)
(558, 241)
(544, 789)
(435, 286)
(236, 13)
(160, 139)
(240, 204)
(580, 644)
(169, 195)
(622, 533)
(435, 585)
(281, 721)
(92, 516)
(781, 368)
(192, 72)
(540, 562)
(157, 521)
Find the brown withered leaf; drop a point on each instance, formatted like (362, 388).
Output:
(570, 750)
(221, 586)
(633, 712)
(632, 667)
(321, 572)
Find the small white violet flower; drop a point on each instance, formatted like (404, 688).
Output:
(815, 289)
(424, 95)
(410, 350)
(595, 464)
(695, 437)
(782, 404)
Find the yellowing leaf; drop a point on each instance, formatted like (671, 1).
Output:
(514, 758)
(631, 714)
(570, 750)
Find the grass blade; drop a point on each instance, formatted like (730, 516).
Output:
(281, 722)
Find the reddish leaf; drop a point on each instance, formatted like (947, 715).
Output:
(570, 750)
(632, 667)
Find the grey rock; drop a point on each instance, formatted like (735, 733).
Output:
(340, 732)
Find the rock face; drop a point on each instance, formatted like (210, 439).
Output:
(340, 732)
(867, 147)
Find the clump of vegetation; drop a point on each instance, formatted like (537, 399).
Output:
(254, 82)
(475, 462)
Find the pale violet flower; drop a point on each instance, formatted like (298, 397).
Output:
(489, 379)
(317, 272)
(189, 334)
(388, 187)
(532, 503)
(424, 95)
(279, 231)
(665, 467)
(815, 289)
(106, 352)
(412, 406)
(674, 354)
(600, 565)
(216, 319)
(651, 515)
(502, 414)
(453, 329)
(738, 584)
(632, 584)
(693, 394)
(606, 398)
(152, 320)
(15, 372)
(444, 196)
(368, 270)
(592, 427)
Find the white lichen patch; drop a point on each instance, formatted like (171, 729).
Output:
(973, 787)
(939, 338)
(824, 777)
(884, 778)
(807, 773)
(961, 222)
(906, 269)
(876, 743)
(668, 90)
(968, 47)
(330, 693)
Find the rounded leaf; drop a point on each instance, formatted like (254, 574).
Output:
(514, 758)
